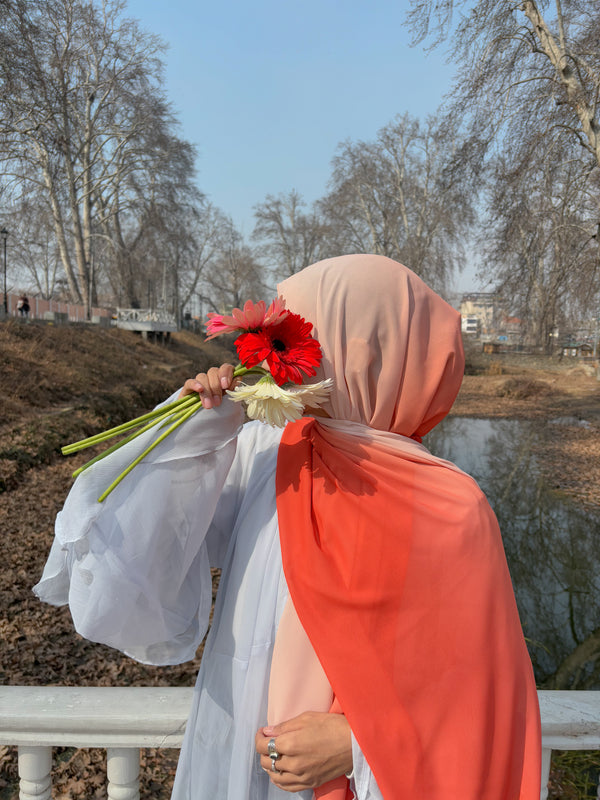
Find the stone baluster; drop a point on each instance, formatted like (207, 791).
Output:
(35, 764)
(123, 771)
(546, 757)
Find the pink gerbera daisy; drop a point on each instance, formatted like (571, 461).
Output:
(252, 317)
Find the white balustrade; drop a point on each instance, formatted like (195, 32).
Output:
(145, 315)
(570, 721)
(35, 764)
(124, 719)
(123, 773)
(119, 719)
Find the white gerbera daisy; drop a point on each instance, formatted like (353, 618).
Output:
(313, 394)
(270, 403)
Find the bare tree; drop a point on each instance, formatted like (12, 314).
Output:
(34, 254)
(541, 231)
(407, 195)
(209, 236)
(522, 61)
(235, 275)
(528, 84)
(194, 241)
(148, 204)
(288, 238)
(82, 115)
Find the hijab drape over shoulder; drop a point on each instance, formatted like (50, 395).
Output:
(393, 557)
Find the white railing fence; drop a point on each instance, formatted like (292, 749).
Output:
(119, 719)
(124, 719)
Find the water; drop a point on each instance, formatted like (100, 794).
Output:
(552, 545)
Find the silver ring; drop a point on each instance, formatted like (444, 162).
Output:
(274, 764)
(272, 749)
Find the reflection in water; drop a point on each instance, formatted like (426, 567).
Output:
(551, 544)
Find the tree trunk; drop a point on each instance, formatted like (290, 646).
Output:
(567, 77)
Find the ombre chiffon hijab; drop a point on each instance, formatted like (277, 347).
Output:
(401, 610)
(391, 345)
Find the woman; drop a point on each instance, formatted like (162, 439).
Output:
(361, 575)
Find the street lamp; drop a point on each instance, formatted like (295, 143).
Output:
(4, 235)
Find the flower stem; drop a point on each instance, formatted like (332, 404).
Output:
(133, 423)
(241, 370)
(157, 441)
(179, 412)
(156, 421)
(171, 415)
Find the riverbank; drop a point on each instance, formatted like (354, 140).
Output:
(565, 391)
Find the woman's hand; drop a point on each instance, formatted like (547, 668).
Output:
(210, 385)
(314, 748)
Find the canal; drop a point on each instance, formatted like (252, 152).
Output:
(552, 544)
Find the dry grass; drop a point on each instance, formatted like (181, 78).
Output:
(523, 388)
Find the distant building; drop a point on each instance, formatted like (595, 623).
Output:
(510, 329)
(577, 349)
(470, 325)
(478, 311)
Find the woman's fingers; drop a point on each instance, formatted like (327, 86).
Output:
(210, 385)
(313, 748)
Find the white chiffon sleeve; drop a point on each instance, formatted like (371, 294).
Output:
(363, 782)
(135, 568)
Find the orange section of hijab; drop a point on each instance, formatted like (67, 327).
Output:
(393, 557)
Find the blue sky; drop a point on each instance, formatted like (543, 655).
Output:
(267, 89)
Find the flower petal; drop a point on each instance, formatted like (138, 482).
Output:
(268, 402)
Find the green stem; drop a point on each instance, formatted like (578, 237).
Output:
(149, 449)
(173, 414)
(184, 402)
(134, 423)
(241, 370)
(156, 421)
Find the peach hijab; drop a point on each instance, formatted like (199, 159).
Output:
(393, 557)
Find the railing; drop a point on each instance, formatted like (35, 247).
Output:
(40, 308)
(123, 720)
(145, 315)
(147, 321)
(119, 719)
(570, 721)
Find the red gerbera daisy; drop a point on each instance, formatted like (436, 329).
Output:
(287, 347)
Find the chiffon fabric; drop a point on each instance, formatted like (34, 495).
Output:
(393, 558)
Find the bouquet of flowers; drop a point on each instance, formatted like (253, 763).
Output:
(272, 335)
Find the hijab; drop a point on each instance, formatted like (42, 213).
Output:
(391, 345)
(393, 557)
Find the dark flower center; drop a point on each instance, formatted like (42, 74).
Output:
(278, 345)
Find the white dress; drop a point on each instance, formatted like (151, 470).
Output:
(135, 571)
